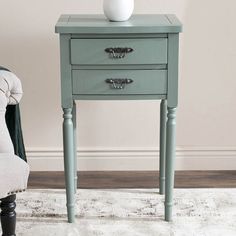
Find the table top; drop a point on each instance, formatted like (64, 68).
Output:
(98, 24)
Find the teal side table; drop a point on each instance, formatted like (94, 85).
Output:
(103, 60)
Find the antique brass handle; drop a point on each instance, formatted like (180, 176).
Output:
(118, 53)
(118, 83)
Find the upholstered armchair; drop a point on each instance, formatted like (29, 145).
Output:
(14, 171)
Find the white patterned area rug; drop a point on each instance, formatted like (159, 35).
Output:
(127, 212)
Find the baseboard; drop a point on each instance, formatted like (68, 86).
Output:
(134, 159)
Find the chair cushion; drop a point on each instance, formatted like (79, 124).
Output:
(14, 173)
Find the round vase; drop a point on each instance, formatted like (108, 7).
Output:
(118, 10)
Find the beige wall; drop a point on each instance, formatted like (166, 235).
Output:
(124, 135)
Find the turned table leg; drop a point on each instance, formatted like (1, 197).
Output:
(68, 142)
(75, 145)
(8, 215)
(163, 109)
(170, 160)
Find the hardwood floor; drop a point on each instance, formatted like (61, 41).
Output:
(135, 179)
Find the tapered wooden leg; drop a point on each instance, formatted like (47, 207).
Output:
(163, 109)
(75, 145)
(68, 143)
(170, 161)
(8, 215)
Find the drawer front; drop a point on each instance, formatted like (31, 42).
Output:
(119, 82)
(119, 51)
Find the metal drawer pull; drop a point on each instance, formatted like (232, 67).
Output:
(118, 52)
(118, 83)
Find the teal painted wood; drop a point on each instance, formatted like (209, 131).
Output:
(75, 145)
(66, 85)
(145, 51)
(118, 36)
(163, 110)
(119, 97)
(98, 24)
(174, 21)
(155, 77)
(68, 147)
(144, 82)
(170, 161)
(119, 67)
(173, 54)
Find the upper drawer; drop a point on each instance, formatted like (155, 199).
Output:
(119, 51)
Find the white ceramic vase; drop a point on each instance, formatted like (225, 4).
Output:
(118, 10)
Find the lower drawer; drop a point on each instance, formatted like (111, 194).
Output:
(119, 82)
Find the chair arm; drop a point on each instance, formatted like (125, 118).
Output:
(10, 84)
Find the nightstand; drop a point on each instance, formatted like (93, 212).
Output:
(103, 60)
